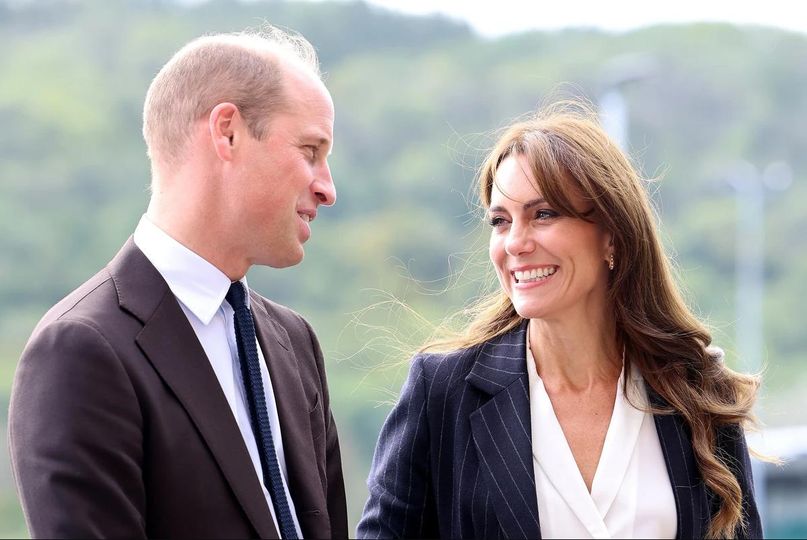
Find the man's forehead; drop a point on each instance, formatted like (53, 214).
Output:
(309, 97)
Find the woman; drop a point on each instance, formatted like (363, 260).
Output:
(583, 400)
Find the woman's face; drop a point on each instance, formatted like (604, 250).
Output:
(550, 266)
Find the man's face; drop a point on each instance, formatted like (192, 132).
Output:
(284, 177)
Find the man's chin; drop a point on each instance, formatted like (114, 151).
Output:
(284, 260)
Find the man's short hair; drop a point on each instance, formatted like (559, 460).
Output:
(244, 68)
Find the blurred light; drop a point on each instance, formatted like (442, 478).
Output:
(778, 176)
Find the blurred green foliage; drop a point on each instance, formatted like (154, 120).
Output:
(417, 100)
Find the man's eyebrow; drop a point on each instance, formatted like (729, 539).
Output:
(316, 139)
(319, 139)
(527, 205)
(326, 142)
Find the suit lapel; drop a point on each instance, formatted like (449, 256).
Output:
(170, 344)
(293, 408)
(688, 488)
(501, 432)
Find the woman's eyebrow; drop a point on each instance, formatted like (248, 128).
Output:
(534, 202)
(527, 205)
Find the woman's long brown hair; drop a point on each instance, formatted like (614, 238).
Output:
(569, 152)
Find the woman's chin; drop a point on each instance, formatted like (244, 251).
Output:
(529, 311)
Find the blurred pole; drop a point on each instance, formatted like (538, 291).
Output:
(614, 116)
(750, 271)
(611, 104)
(749, 265)
(749, 188)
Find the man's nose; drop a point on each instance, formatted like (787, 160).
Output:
(324, 188)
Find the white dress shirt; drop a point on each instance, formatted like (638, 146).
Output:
(200, 289)
(631, 495)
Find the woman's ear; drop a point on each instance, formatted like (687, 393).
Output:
(609, 242)
(608, 248)
(222, 124)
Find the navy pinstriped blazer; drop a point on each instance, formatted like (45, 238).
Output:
(454, 458)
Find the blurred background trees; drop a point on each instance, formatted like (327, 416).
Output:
(417, 102)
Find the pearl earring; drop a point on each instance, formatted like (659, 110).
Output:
(611, 262)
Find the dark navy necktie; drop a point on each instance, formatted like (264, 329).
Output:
(251, 372)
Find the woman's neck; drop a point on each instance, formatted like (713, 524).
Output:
(575, 357)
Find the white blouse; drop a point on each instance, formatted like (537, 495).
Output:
(631, 495)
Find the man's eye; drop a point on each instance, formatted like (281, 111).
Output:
(312, 151)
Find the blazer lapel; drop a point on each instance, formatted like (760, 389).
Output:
(688, 487)
(293, 408)
(170, 344)
(501, 432)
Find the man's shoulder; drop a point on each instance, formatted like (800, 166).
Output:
(295, 326)
(90, 301)
(127, 282)
(79, 327)
(280, 313)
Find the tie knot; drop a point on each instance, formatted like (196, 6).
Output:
(236, 296)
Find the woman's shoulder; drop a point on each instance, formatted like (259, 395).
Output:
(504, 353)
(445, 365)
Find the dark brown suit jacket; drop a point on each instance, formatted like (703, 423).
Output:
(118, 426)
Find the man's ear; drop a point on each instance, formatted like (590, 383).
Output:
(223, 123)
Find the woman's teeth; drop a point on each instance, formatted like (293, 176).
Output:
(533, 275)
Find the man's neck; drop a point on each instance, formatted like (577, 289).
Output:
(200, 232)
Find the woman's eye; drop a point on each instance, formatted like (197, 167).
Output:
(497, 221)
(545, 213)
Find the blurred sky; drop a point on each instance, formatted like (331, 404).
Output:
(498, 17)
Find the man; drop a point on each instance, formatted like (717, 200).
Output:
(162, 398)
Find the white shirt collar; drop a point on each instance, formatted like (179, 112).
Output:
(199, 285)
(611, 508)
